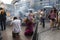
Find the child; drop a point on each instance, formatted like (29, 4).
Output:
(16, 27)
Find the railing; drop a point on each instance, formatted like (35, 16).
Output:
(35, 35)
(0, 34)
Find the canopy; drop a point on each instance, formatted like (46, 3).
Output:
(47, 7)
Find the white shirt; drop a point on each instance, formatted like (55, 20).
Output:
(16, 25)
(42, 14)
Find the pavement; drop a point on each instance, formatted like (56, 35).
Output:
(47, 33)
(7, 34)
(43, 33)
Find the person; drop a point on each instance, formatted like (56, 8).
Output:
(16, 23)
(58, 24)
(29, 23)
(52, 16)
(42, 18)
(2, 19)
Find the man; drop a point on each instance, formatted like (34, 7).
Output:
(2, 19)
(16, 27)
(42, 18)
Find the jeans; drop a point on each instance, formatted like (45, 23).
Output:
(3, 24)
(43, 22)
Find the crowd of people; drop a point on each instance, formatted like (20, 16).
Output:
(53, 17)
(30, 21)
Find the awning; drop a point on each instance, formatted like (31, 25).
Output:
(47, 7)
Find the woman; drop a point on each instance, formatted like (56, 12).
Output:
(52, 17)
(29, 23)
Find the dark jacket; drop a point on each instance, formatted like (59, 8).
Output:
(3, 16)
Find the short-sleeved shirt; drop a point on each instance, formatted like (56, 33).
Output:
(16, 26)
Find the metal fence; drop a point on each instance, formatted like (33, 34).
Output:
(35, 35)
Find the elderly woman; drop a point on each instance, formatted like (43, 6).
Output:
(29, 23)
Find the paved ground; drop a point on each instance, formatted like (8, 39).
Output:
(48, 34)
(7, 35)
(44, 34)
